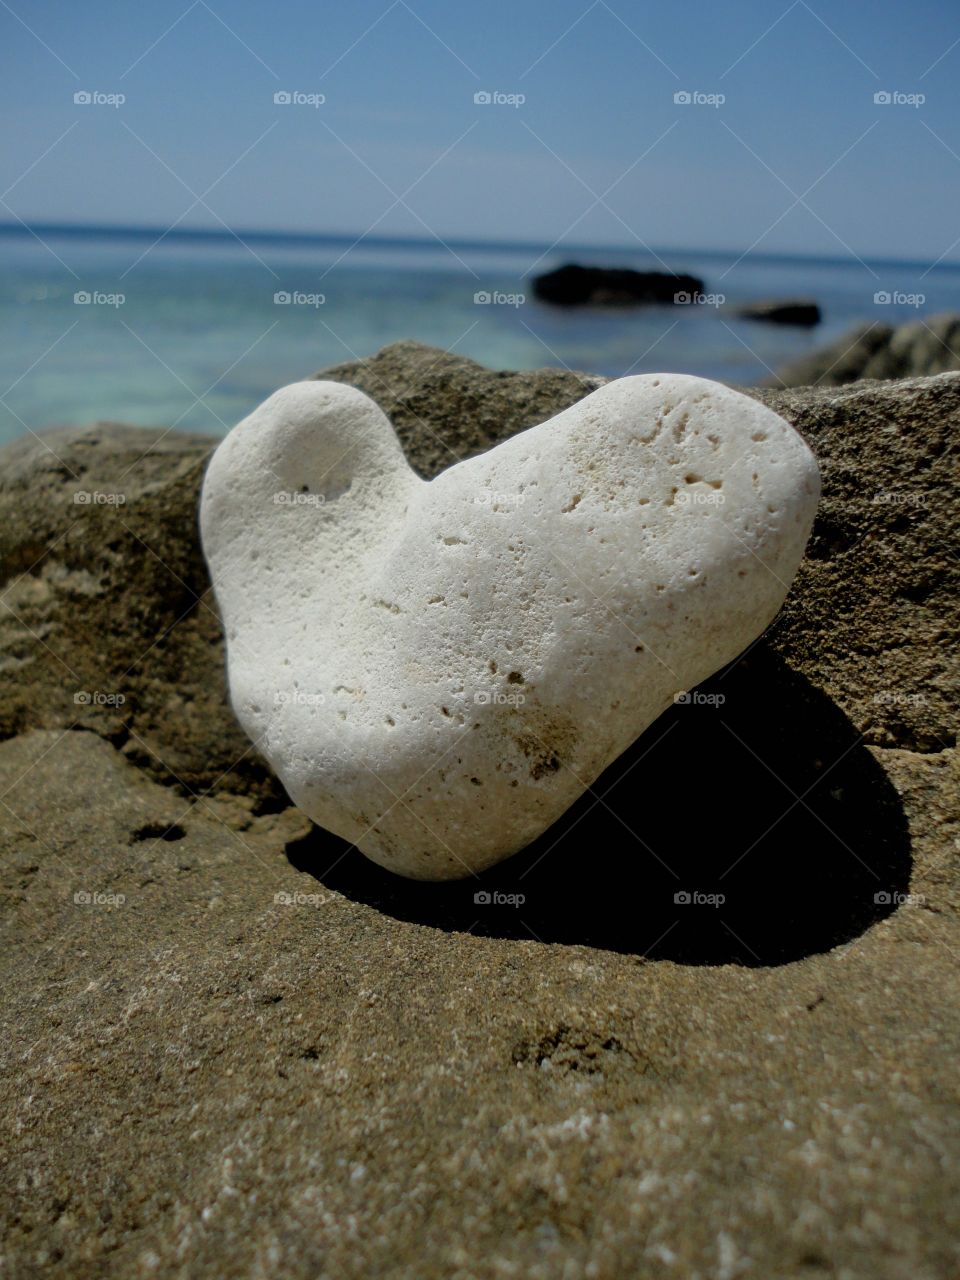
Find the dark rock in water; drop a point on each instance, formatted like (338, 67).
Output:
(914, 350)
(576, 286)
(796, 312)
(236, 1047)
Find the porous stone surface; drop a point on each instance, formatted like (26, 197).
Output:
(437, 670)
(873, 611)
(370, 1076)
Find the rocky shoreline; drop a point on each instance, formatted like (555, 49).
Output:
(234, 1047)
(879, 351)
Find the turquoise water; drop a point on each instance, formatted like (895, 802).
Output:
(198, 338)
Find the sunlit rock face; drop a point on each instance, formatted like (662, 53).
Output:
(437, 669)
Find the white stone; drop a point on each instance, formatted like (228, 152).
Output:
(436, 671)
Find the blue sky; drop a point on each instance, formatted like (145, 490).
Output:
(598, 153)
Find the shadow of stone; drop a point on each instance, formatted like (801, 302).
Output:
(747, 826)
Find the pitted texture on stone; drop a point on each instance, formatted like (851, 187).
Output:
(438, 670)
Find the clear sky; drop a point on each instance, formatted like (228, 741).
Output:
(797, 158)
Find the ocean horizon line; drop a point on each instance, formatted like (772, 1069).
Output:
(337, 240)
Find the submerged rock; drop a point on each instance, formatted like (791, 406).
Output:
(800, 312)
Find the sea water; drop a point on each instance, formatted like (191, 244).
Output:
(195, 332)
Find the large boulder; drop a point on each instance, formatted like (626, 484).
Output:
(707, 1026)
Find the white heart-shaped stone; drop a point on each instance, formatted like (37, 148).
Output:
(437, 670)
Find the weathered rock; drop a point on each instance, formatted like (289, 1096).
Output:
(800, 312)
(576, 286)
(879, 351)
(485, 644)
(878, 564)
(368, 1077)
(116, 586)
(446, 408)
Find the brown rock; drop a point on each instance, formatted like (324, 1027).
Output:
(918, 349)
(365, 1077)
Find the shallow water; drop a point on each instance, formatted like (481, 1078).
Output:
(198, 338)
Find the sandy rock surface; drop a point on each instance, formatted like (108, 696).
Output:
(233, 1046)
